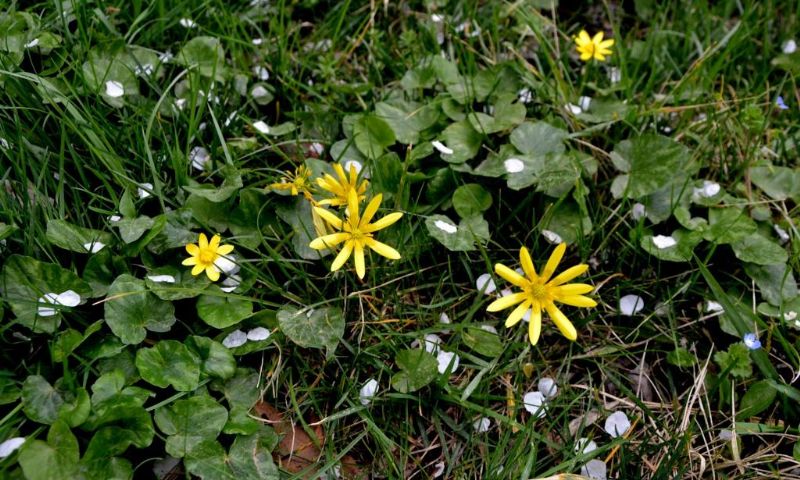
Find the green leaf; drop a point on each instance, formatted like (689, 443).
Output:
(298, 215)
(169, 362)
(372, 135)
(417, 369)
(232, 183)
(217, 360)
(539, 138)
(40, 461)
(387, 171)
(124, 415)
(74, 238)
(206, 55)
(736, 361)
(466, 234)
(40, 401)
(471, 199)
(313, 327)
(407, 119)
(132, 229)
(185, 285)
(100, 272)
(779, 183)
(568, 222)
(728, 225)
(603, 110)
(221, 310)
(776, 282)
(483, 342)
(103, 67)
(507, 115)
(76, 407)
(61, 438)
(649, 163)
(463, 140)
(25, 280)
(758, 249)
(682, 251)
(130, 309)
(189, 422)
(681, 358)
(758, 398)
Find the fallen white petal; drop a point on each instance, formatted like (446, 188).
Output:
(114, 218)
(594, 469)
(506, 292)
(187, 23)
(514, 165)
(352, 163)
(144, 190)
(584, 102)
(319, 149)
(437, 18)
(4, 144)
(485, 284)
(552, 237)
(631, 305)
(790, 315)
(783, 236)
(441, 147)
(725, 435)
(444, 358)
(261, 127)
(638, 211)
(584, 446)
(257, 334)
(161, 278)
(445, 227)
(93, 247)
(231, 283)
(8, 447)
(258, 41)
(548, 387)
(32, 43)
(261, 72)
(664, 241)
(438, 470)
(617, 424)
(482, 424)
(614, 75)
(710, 188)
(443, 318)
(534, 403)
(114, 89)
(712, 306)
(573, 109)
(525, 95)
(259, 91)
(368, 391)
(236, 338)
(227, 264)
(489, 329)
(431, 343)
(789, 46)
(199, 158)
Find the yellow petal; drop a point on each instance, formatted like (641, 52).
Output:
(384, 222)
(606, 43)
(527, 263)
(562, 322)
(224, 249)
(382, 249)
(190, 261)
(510, 275)
(212, 273)
(535, 325)
(598, 37)
(214, 243)
(508, 301)
(352, 206)
(583, 38)
(353, 175)
(327, 241)
(599, 56)
(577, 301)
(517, 314)
(573, 289)
(372, 207)
(358, 253)
(202, 241)
(193, 249)
(347, 249)
(198, 269)
(568, 274)
(552, 262)
(586, 56)
(329, 217)
(340, 172)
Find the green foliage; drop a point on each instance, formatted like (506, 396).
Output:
(735, 361)
(417, 369)
(313, 327)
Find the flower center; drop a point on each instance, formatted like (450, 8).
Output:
(539, 292)
(207, 256)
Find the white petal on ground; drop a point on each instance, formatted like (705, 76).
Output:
(514, 165)
(584, 445)
(783, 236)
(584, 102)
(187, 23)
(442, 148)
(505, 292)
(486, 282)
(161, 278)
(236, 338)
(444, 318)
(525, 95)
(552, 237)
(431, 343)
(259, 91)
(47, 311)
(548, 387)
(594, 469)
(94, 247)
(712, 306)
(638, 211)
(8, 447)
(114, 89)
(437, 18)
(144, 190)
(631, 305)
(257, 41)
(614, 75)
(165, 57)
(445, 227)
(527, 316)
(368, 391)
(617, 424)
(438, 470)
(790, 315)
(319, 149)
(534, 403)
(261, 72)
(352, 163)
(199, 158)
(4, 144)
(180, 103)
(573, 109)
(482, 425)
(708, 190)
(227, 264)
(32, 43)
(789, 46)
(231, 283)
(489, 329)
(114, 218)
(444, 358)
(725, 435)
(664, 241)
(257, 334)
(69, 298)
(261, 127)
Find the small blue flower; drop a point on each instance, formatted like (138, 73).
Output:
(780, 103)
(751, 341)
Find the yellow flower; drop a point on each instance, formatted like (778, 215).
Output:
(593, 47)
(297, 182)
(539, 292)
(355, 232)
(205, 254)
(341, 188)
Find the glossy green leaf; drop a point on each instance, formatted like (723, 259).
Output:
(189, 422)
(130, 310)
(313, 327)
(417, 369)
(169, 362)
